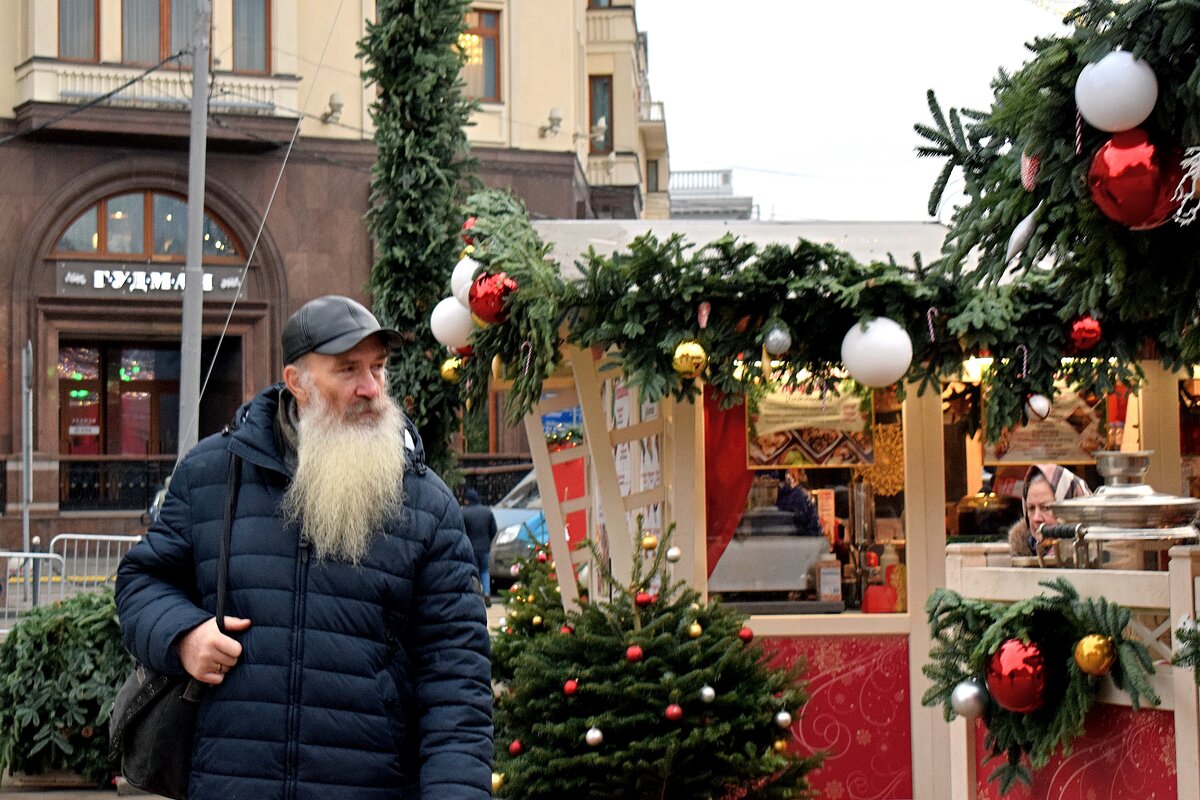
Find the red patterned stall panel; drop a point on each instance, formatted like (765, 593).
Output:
(1122, 755)
(857, 713)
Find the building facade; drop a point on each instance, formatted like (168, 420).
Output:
(94, 133)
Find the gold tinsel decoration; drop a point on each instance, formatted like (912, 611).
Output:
(886, 474)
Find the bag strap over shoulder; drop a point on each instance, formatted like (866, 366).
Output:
(231, 496)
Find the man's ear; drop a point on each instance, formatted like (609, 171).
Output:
(291, 379)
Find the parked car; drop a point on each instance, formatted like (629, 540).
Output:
(520, 525)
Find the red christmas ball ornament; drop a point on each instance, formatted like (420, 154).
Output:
(467, 229)
(487, 295)
(746, 635)
(542, 557)
(1133, 181)
(567, 629)
(674, 712)
(643, 599)
(515, 747)
(1085, 333)
(463, 352)
(1016, 676)
(633, 654)
(570, 687)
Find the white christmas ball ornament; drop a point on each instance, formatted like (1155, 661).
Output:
(1038, 407)
(461, 278)
(1117, 92)
(707, 694)
(783, 719)
(777, 340)
(674, 554)
(878, 354)
(594, 736)
(451, 323)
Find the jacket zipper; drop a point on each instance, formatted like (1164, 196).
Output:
(297, 661)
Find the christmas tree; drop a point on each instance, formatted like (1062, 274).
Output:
(650, 694)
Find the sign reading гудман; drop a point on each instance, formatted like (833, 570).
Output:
(109, 279)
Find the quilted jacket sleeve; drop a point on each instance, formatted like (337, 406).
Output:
(453, 666)
(156, 592)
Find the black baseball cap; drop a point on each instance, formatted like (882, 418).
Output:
(330, 325)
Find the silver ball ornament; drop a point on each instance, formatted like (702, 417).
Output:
(707, 694)
(593, 736)
(969, 699)
(778, 340)
(783, 719)
(674, 554)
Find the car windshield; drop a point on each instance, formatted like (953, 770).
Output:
(524, 495)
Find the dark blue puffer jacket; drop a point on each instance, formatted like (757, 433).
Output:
(369, 682)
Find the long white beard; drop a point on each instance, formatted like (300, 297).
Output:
(349, 476)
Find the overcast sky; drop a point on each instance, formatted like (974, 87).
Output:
(812, 102)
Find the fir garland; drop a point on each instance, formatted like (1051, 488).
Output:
(420, 117)
(727, 739)
(966, 632)
(1188, 654)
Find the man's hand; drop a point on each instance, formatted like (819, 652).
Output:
(207, 654)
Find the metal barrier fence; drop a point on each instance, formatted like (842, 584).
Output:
(74, 563)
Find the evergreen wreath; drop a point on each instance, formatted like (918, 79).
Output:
(968, 633)
(1188, 654)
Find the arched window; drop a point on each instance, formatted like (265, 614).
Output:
(144, 226)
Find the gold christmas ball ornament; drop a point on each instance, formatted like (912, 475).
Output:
(497, 781)
(649, 541)
(498, 367)
(690, 359)
(781, 745)
(537, 621)
(450, 368)
(694, 630)
(1095, 654)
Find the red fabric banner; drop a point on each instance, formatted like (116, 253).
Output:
(726, 479)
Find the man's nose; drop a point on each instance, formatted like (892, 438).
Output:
(368, 388)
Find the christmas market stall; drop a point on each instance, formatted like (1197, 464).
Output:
(713, 379)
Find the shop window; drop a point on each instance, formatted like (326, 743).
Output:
(480, 45)
(119, 416)
(251, 29)
(601, 98)
(78, 29)
(152, 30)
(142, 225)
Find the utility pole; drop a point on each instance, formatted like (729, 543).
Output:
(193, 287)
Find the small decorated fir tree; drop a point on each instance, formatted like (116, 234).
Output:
(651, 694)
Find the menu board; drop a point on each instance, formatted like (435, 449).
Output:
(795, 428)
(1071, 434)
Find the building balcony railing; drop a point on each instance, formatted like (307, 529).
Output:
(110, 483)
(48, 81)
(614, 25)
(653, 112)
(706, 182)
(614, 169)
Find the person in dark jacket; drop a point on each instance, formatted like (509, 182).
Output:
(480, 523)
(355, 662)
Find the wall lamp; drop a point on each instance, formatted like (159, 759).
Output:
(553, 123)
(333, 114)
(597, 134)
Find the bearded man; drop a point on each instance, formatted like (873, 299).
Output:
(354, 662)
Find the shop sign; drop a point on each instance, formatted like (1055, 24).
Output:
(82, 279)
(798, 428)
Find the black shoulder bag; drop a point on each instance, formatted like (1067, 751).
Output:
(153, 720)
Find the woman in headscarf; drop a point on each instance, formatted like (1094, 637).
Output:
(1044, 484)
